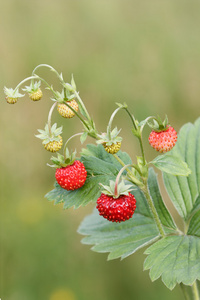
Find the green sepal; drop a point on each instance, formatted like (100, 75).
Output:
(122, 189)
(62, 161)
(47, 136)
(12, 93)
(73, 84)
(158, 125)
(109, 138)
(33, 87)
(63, 97)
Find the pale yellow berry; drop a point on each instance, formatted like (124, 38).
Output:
(11, 100)
(37, 95)
(54, 146)
(112, 149)
(65, 111)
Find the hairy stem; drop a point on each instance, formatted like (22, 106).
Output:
(153, 210)
(82, 104)
(132, 177)
(195, 291)
(185, 291)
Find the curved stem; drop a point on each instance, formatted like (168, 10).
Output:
(111, 120)
(118, 176)
(132, 118)
(65, 146)
(49, 117)
(130, 174)
(44, 65)
(23, 81)
(139, 136)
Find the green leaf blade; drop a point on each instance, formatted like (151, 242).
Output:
(171, 165)
(175, 259)
(120, 239)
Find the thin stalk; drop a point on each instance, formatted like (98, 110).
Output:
(139, 136)
(119, 174)
(185, 292)
(142, 150)
(153, 210)
(132, 177)
(195, 291)
(51, 68)
(49, 117)
(82, 104)
(44, 65)
(65, 146)
(132, 118)
(23, 81)
(110, 122)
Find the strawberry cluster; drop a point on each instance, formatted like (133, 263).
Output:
(116, 203)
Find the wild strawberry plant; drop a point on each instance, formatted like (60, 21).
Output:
(130, 212)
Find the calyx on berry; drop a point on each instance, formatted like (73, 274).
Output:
(63, 97)
(62, 161)
(110, 140)
(115, 189)
(34, 90)
(51, 137)
(12, 95)
(158, 125)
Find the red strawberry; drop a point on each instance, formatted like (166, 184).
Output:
(71, 177)
(116, 209)
(164, 140)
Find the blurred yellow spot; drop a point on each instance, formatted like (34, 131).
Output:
(63, 294)
(30, 211)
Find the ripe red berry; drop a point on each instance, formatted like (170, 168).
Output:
(71, 177)
(116, 209)
(163, 141)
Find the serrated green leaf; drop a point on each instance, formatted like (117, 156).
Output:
(127, 237)
(171, 164)
(184, 191)
(121, 240)
(175, 259)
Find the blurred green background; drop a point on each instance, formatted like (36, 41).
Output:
(146, 53)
